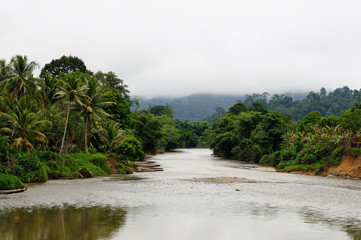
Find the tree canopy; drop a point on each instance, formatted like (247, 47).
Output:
(64, 64)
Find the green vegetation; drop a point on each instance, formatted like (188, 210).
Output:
(312, 144)
(208, 107)
(9, 182)
(327, 104)
(248, 134)
(68, 123)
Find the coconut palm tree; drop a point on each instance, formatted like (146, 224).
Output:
(110, 134)
(71, 89)
(92, 106)
(22, 75)
(23, 126)
(48, 91)
(5, 70)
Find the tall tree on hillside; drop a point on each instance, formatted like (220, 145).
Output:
(22, 75)
(71, 89)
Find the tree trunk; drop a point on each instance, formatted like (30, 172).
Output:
(66, 126)
(86, 133)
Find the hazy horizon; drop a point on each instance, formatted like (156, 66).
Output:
(177, 48)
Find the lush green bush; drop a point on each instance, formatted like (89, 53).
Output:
(29, 168)
(246, 151)
(10, 182)
(129, 149)
(90, 164)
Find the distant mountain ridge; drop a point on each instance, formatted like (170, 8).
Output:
(197, 107)
(194, 107)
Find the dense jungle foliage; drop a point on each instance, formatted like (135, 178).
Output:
(68, 122)
(258, 135)
(210, 107)
(332, 103)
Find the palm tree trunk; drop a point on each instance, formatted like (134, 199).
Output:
(86, 133)
(66, 126)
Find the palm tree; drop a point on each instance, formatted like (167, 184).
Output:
(22, 75)
(48, 90)
(5, 70)
(111, 134)
(93, 106)
(23, 126)
(72, 89)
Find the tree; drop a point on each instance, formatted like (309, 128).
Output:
(5, 70)
(161, 110)
(120, 111)
(71, 89)
(110, 134)
(22, 75)
(237, 109)
(93, 106)
(309, 120)
(48, 89)
(147, 129)
(220, 112)
(64, 65)
(110, 79)
(23, 126)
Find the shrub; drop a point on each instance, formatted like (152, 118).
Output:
(129, 149)
(271, 159)
(89, 163)
(29, 168)
(247, 151)
(10, 182)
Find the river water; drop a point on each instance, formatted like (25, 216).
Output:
(198, 196)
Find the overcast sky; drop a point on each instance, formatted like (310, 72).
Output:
(176, 48)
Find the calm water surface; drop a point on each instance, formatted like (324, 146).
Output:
(172, 205)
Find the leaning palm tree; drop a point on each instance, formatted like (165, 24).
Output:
(22, 76)
(72, 89)
(92, 106)
(23, 126)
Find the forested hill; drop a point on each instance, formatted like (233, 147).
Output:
(199, 106)
(327, 103)
(195, 107)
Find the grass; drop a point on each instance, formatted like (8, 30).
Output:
(10, 182)
(316, 168)
(95, 164)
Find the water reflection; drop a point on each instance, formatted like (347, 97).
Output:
(68, 222)
(349, 225)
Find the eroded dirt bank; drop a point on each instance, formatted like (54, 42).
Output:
(349, 167)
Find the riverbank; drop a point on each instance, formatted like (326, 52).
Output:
(40, 166)
(350, 167)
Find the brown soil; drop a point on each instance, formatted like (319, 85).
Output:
(350, 167)
(113, 165)
(222, 180)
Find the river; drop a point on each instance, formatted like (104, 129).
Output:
(198, 196)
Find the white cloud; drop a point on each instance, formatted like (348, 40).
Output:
(180, 47)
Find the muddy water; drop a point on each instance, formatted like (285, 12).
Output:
(198, 196)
